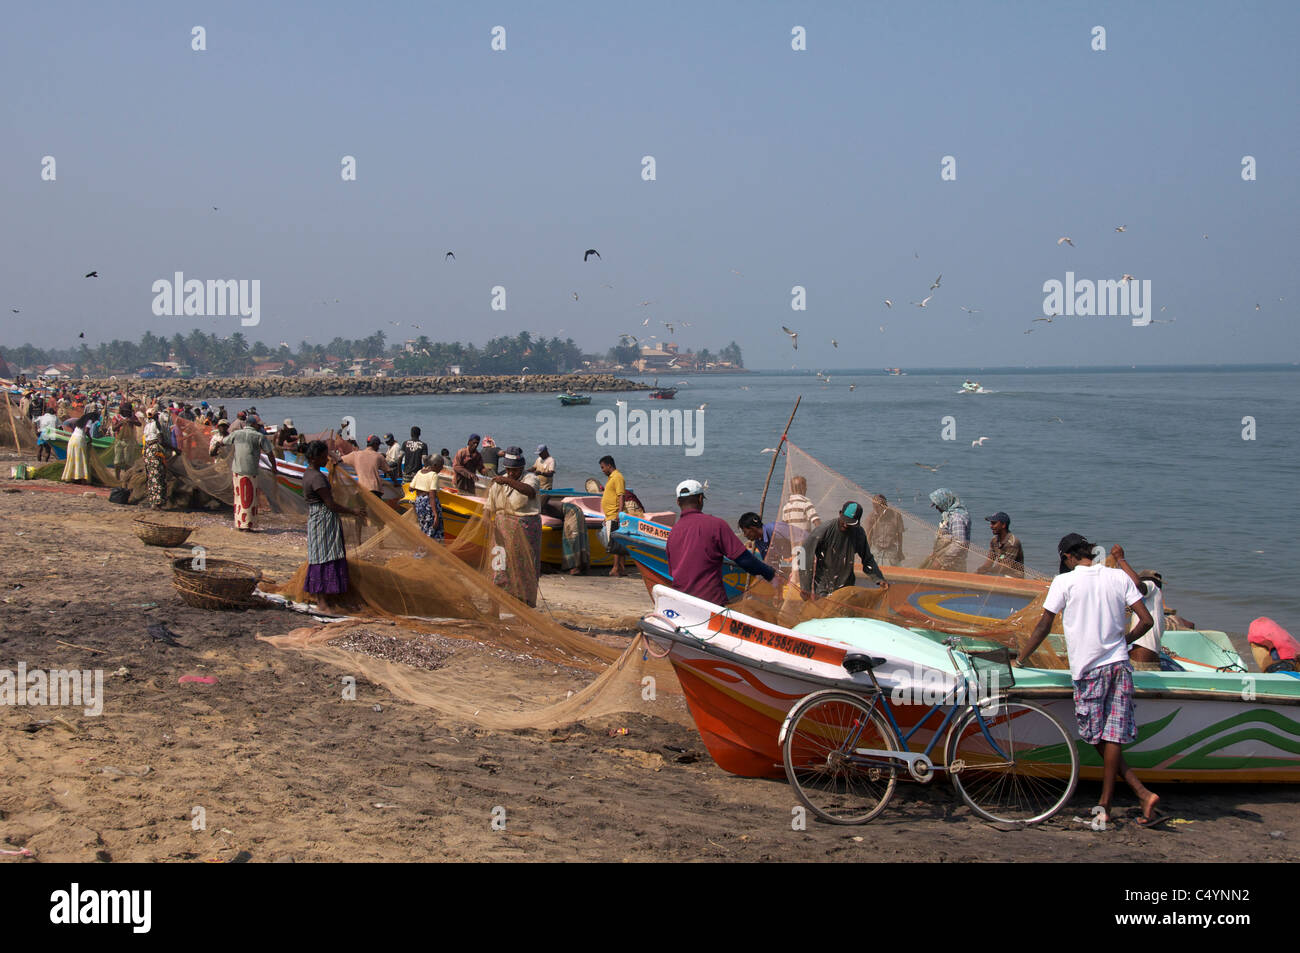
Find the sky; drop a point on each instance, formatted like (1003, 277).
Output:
(774, 168)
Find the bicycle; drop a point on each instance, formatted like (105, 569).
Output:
(844, 752)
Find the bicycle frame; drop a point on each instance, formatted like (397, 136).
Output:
(948, 702)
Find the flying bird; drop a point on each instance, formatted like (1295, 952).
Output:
(645, 323)
(971, 310)
(979, 442)
(923, 302)
(14, 310)
(450, 256)
(882, 329)
(794, 336)
(590, 252)
(852, 388)
(834, 343)
(646, 303)
(1048, 320)
(575, 296)
(82, 334)
(417, 327)
(1057, 419)
(934, 469)
(1063, 240)
(888, 303)
(1030, 331)
(702, 406)
(735, 272)
(936, 282)
(1126, 278)
(92, 274)
(1120, 228)
(769, 450)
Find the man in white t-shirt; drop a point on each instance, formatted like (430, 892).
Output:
(1145, 652)
(1094, 599)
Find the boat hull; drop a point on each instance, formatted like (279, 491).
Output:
(741, 677)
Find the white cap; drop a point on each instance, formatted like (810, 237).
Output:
(689, 488)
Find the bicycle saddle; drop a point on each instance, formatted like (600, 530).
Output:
(855, 662)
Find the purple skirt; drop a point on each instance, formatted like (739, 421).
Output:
(330, 579)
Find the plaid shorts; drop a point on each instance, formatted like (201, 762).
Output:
(1103, 704)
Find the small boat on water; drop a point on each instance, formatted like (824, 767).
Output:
(663, 393)
(972, 387)
(570, 400)
(742, 675)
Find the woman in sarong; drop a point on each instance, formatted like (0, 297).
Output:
(327, 561)
(427, 508)
(126, 437)
(77, 469)
(155, 464)
(514, 506)
(577, 547)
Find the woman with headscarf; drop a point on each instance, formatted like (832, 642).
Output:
(126, 438)
(327, 558)
(427, 508)
(77, 468)
(514, 507)
(952, 542)
(155, 463)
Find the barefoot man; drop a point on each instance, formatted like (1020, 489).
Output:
(1094, 598)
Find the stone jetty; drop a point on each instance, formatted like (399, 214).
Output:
(375, 386)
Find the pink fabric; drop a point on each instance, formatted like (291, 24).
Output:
(1264, 631)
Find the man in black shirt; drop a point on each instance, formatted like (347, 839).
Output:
(828, 554)
(413, 453)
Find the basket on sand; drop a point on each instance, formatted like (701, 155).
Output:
(219, 584)
(157, 532)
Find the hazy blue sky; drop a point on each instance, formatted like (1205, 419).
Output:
(818, 168)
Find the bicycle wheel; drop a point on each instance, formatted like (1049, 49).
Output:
(837, 786)
(1028, 777)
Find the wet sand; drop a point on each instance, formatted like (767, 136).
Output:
(283, 768)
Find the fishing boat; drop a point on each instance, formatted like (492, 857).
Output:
(972, 387)
(742, 675)
(59, 443)
(458, 509)
(663, 393)
(570, 400)
(932, 602)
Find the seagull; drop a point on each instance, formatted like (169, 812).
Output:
(979, 442)
(794, 336)
(705, 404)
(1120, 228)
(1205, 236)
(888, 303)
(1256, 305)
(735, 272)
(852, 388)
(15, 310)
(92, 274)
(923, 302)
(672, 363)
(575, 296)
(1030, 331)
(1063, 240)
(882, 329)
(396, 324)
(971, 310)
(687, 324)
(1126, 278)
(620, 403)
(926, 466)
(936, 282)
(1048, 320)
(1163, 320)
(590, 252)
(646, 303)
(417, 327)
(214, 208)
(834, 343)
(82, 334)
(1057, 419)
(449, 257)
(769, 450)
(645, 323)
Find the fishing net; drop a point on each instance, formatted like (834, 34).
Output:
(16, 430)
(926, 589)
(472, 587)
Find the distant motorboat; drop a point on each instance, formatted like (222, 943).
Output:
(569, 400)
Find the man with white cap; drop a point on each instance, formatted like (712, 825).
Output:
(699, 543)
(828, 554)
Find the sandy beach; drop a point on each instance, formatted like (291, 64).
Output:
(275, 764)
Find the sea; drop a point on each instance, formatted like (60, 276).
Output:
(1193, 470)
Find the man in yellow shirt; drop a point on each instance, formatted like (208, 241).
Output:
(611, 504)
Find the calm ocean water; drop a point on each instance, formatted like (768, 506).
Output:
(1150, 458)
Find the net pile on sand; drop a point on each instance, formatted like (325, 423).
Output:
(810, 487)
(463, 590)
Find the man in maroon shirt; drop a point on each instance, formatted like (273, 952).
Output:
(698, 545)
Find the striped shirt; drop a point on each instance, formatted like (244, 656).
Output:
(800, 512)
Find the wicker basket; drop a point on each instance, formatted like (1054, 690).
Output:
(220, 584)
(154, 532)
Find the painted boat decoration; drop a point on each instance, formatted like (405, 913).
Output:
(741, 676)
(570, 400)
